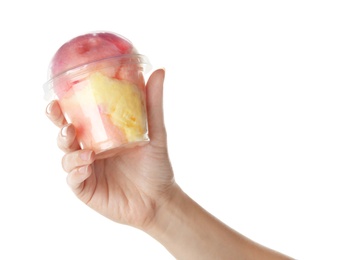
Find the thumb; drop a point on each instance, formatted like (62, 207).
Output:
(157, 130)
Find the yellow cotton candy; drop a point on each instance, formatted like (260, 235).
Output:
(123, 102)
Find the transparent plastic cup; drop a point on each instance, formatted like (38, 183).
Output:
(106, 102)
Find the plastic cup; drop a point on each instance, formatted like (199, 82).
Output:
(106, 102)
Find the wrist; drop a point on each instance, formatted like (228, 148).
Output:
(177, 224)
(168, 212)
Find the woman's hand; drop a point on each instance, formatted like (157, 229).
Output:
(127, 188)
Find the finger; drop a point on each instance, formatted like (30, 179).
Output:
(75, 179)
(157, 129)
(55, 114)
(77, 159)
(66, 139)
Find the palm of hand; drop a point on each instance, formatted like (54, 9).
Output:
(129, 187)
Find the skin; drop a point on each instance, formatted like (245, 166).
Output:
(137, 188)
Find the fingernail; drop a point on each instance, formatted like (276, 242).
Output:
(64, 131)
(86, 155)
(49, 108)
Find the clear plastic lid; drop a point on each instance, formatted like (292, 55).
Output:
(90, 52)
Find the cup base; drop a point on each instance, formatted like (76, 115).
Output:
(113, 151)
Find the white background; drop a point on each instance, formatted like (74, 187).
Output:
(252, 106)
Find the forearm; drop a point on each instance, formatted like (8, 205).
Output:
(189, 232)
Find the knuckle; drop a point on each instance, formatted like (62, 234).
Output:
(64, 162)
(71, 161)
(67, 162)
